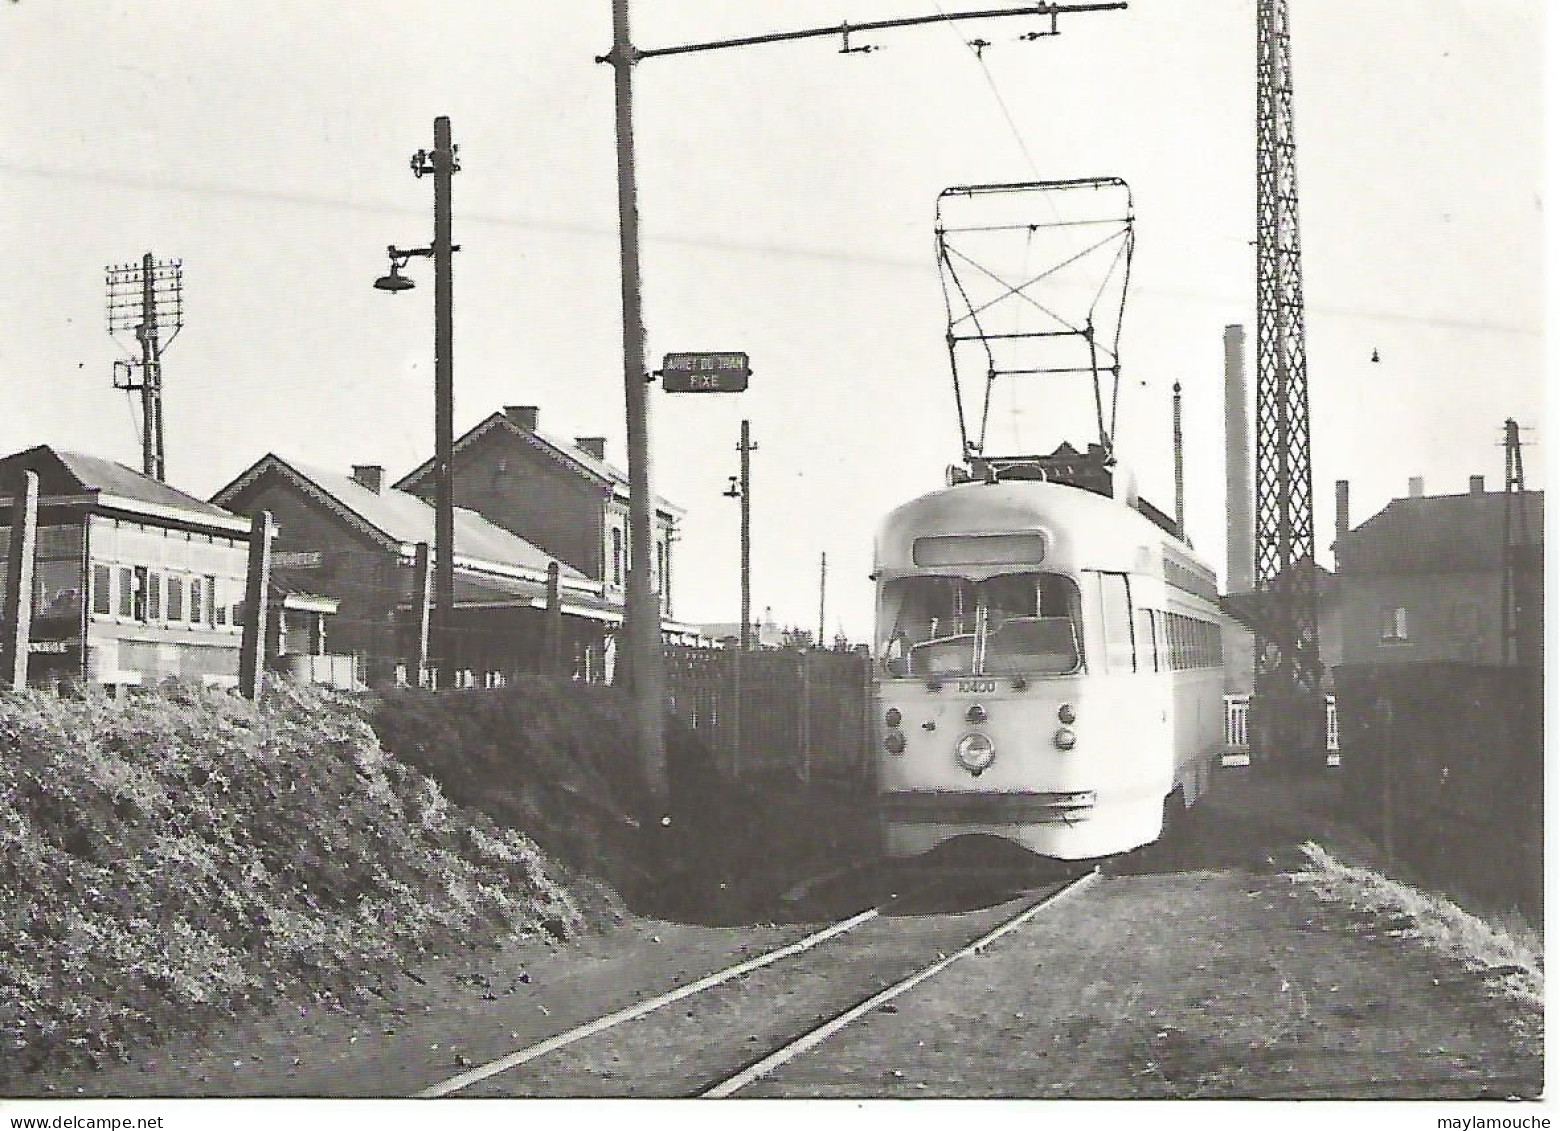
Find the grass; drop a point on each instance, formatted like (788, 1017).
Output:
(1510, 946)
(182, 855)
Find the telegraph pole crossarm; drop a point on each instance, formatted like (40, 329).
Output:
(846, 29)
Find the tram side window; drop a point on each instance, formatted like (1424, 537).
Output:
(1116, 621)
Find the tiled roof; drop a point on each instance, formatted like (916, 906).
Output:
(405, 518)
(1436, 534)
(93, 473)
(562, 451)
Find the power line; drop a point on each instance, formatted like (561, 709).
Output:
(706, 243)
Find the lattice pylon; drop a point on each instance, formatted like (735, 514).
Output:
(1289, 716)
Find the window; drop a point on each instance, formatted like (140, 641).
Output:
(126, 605)
(154, 596)
(219, 603)
(1146, 636)
(1012, 624)
(141, 610)
(175, 598)
(617, 555)
(1116, 620)
(211, 600)
(102, 590)
(1394, 625)
(197, 591)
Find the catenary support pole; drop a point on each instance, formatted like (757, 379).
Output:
(16, 629)
(642, 618)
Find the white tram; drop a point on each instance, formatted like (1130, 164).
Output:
(1049, 670)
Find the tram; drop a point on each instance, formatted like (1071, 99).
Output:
(1049, 661)
(1050, 669)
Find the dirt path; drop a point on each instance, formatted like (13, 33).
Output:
(1215, 971)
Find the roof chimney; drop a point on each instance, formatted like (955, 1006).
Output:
(592, 445)
(522, 415)
(1475, 484)
(1341, 495)
(1416, 487)
(370, 475)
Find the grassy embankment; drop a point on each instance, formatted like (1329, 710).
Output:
(184, 855)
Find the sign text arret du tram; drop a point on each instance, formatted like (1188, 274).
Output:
(707, 372)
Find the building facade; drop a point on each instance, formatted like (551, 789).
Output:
(355, 540)
(564, 498)
(133, 580)
(1424, 579)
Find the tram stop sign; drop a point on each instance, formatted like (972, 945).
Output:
(705, 373)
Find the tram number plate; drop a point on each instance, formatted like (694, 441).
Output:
(977, 685)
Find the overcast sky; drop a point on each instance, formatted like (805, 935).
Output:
(787, 196)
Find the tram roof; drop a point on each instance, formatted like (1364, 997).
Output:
(1080, 529)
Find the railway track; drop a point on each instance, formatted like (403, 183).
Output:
(800, 995)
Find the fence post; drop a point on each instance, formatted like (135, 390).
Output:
(552, 664)
(806, 731)
(16, 627)
(257, 589)
(422, 605)
(1385, 744)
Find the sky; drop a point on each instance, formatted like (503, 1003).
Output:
(786, 196)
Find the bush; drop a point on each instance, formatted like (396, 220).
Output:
(182, 854)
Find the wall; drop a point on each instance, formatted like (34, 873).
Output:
(512, 485)
(1454, 617)
(354, 568)
(1444, 762)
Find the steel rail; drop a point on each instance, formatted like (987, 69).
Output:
(817, 1036)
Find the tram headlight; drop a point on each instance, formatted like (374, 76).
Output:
(975, 753)
(892, 717)
(1064, 738)
(894, 743)
(1066, 714)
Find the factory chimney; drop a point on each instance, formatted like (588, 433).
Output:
(1240, 547)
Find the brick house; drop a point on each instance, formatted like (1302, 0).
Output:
(565, 498)
(133, 580)
(1423, 580)
(353, 539)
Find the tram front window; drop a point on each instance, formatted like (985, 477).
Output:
(1012, 624)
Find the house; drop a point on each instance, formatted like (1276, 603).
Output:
(133, 580)
(564, 498)
(355, 540)
(1424, 579)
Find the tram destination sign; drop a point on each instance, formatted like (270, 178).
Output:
(710, 372)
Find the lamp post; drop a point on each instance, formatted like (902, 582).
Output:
(443, 162)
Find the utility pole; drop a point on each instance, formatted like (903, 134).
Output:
(1518, 559)
(146, 299)
(642, 618)
(443, 162)
(747, 448)
(740, 488)
(823, 584)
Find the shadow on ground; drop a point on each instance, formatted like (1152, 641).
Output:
(1247, 821)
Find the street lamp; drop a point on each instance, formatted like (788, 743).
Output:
(443, 162)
